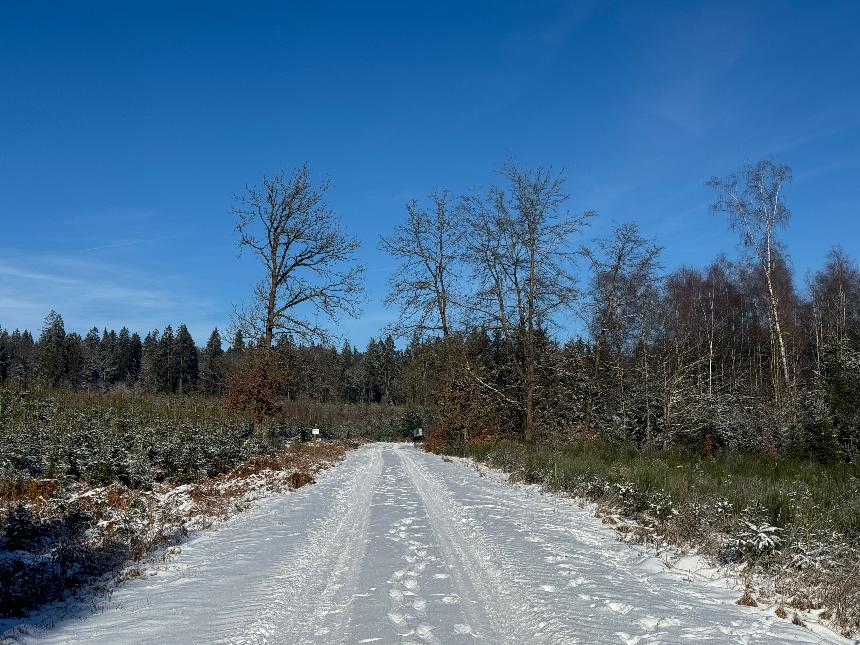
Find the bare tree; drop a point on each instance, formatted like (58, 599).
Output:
(309, 260)
(625, 273)
(835, 300)
(428, 246)
(519, 247)
(752, 199)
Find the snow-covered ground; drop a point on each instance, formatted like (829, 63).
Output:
(398, 546)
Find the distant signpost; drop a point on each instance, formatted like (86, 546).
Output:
(417, 435)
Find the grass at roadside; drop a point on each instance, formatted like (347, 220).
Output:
(796, 522)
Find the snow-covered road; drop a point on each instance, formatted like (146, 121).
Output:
(395, 545)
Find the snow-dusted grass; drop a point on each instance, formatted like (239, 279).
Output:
(791, 527)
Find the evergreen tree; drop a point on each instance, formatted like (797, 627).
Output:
(74, 359)
(52, 350)
(185, 360)
(150, 363)
(372, 373)
(92, 364)
(21, 357)
(133, 359)
(350, 388)
(4, 356)
(238, 344)
(390, 371)
(211, 366)
(168, 374)
(123, 350)
(110, 360)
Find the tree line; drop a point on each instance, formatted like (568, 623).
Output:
(164, 361)
(516, 324)
(170, 362)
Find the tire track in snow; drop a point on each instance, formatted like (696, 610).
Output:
(495, 604)
(309, 601)
(406, 593)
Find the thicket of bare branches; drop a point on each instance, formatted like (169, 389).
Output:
(728, 356)
(309, 261)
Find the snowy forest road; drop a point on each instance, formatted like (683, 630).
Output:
(395, 545)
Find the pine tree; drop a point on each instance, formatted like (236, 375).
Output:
(212, 366)
(110, 360)
(238, 344)
(133, 361)
(185, 357)
(150, 363)
(4, 356)
(123, 350)
(91, 348)
(52, 351)
(167, 375)
(74, 359)
(21, 357)
(372, 372)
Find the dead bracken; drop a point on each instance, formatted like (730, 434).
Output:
(747, 600)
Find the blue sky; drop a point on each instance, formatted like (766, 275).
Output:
(125, 131)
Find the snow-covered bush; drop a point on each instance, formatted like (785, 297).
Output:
(759, 538)
(661, 506)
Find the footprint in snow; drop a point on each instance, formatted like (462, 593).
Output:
(619, 607)
(397, 618)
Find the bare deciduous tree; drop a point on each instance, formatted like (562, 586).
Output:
(428, 246)
(835, 300)
(309, 260)
(519, 247)
(624, 276)
(752, 199)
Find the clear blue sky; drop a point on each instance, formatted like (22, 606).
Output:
(124, 131)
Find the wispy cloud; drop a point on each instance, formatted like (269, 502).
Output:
(123, 243)
(86, 293)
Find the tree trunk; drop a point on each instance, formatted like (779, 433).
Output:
(777, 329)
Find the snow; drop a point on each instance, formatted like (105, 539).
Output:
(397, 545)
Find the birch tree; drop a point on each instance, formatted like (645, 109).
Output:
(752, 200)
